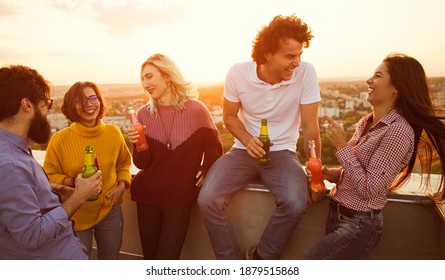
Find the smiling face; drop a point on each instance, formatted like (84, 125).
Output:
(88, 107)
(281, 64)
(381, 92)
(156, 84)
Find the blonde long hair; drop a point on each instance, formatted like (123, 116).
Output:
(182, 89)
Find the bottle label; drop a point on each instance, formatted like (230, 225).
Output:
(264, 138)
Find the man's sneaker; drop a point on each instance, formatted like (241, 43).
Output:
(249, 253)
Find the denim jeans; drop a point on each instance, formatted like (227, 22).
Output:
(108, 235)
(347, 238)
(283, 176)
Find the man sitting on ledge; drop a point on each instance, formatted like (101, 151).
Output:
(279, 87)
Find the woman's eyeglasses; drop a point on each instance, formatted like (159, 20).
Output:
(92, 98)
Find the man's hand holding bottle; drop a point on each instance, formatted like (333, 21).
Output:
(88, 187)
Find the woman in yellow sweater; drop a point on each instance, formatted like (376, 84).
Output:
(84, 106)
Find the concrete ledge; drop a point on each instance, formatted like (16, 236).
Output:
(414, 225)
(413, 228)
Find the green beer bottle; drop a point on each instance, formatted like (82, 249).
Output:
(90, 167)
(264, 138)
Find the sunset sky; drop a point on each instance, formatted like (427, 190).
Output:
(106, 41)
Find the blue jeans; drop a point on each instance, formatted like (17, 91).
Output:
(108, 235)
(347, 238)
(283, 176)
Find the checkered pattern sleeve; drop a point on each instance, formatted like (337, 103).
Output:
(372, 161)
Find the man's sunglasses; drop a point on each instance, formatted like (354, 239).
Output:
(48, 103)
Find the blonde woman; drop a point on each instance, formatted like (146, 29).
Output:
(183, 144)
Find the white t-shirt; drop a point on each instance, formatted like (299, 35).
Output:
(278, 103)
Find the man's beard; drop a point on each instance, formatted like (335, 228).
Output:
(40, 129)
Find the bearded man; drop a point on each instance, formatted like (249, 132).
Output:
(34, 223)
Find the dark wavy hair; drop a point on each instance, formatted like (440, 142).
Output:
(415, 103)
(18, 82)
(75, 95)
(280, 29)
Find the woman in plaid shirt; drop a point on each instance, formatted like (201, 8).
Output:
(384, 144)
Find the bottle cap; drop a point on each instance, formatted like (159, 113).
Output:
(311, 143)
(133, 118)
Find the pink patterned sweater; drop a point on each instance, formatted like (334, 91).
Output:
(168, 176)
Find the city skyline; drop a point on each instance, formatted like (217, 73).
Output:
(105, 41)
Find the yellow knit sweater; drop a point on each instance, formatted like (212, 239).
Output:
(65, 158)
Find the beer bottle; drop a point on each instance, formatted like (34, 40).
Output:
(141, 144)
(314, 165)
(90, 167)
(264, 138)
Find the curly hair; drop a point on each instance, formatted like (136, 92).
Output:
(75, 95)
(279, 29)
(18, 82)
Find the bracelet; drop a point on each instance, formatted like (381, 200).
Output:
(73, 182)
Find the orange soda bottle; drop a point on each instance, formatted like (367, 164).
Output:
(314, 165)
(141, 144)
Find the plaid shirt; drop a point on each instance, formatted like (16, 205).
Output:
(370, 162)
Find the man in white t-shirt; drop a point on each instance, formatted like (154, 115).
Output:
(279, 87)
